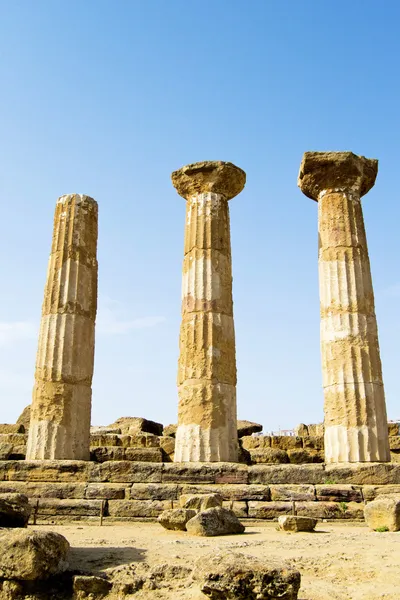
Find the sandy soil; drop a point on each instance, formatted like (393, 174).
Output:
(337, 562)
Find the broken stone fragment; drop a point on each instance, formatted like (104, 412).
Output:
(296, 523)
(384, 512)
(15, 510)
(214, 521)
(90, 586)
(200, 501)
(176, 518)
(235, 576)
(27, 555)
(247, 428)
(134, 425)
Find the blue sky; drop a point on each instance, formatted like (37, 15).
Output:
(107, 98)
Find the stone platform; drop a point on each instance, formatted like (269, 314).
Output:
(62, 491)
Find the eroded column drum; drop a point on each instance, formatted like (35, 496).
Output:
(61, 405)
(354, 400)
(207, 416)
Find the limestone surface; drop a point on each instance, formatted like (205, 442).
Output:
(29, 555)
(207, 420)
(235, 576)
(200, 501)
(384, 512)
(61, 404)
(296, 523)
(176, 518)
(355, 412)
(15, 510)
(214, 521)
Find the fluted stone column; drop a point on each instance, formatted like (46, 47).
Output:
(207, 419)
(61, 405)
(355, 411)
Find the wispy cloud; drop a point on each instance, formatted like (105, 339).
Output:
(15, 331)
(113, 320)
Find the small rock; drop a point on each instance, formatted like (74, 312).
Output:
(234, 576)
(15, 510)
(214, 521)
(383, 512)
(176, 518)
(200, 501)
(27, 555)
(296, 523)
(90, 586)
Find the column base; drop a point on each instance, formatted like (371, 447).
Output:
(355, 444)
(195, 443)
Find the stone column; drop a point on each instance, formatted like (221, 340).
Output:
(61, 405)
(355, 411)
(207, 429)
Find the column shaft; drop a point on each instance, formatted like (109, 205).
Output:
(207, 428)
(355, 410)
(61, 405)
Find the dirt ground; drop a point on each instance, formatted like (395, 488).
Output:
(337, 562)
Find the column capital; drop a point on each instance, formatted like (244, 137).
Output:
(214, 176)
(336, 171)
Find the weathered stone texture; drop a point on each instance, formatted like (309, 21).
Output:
(207, 422)
(383, 512)
(355, 411)
(294, 523)
(61, 405)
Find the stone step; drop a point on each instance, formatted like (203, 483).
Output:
(102, 454)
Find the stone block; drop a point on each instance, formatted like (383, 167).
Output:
(231, 473)
(301, 456)
(200, 502)
(364, 473)
(188, 473)
(90, 587)
(7, 429)
(235, 492)
(239, 509)
(370, 492)
(134, 425)
(176, 518)
(170, 430)
(154, 491)
(316, 430)
(16, 439)
(25, 418)
(140, 440)
(62, 491)
(384, 512)
(102, 454)
(268, 456)
(214, 521)
(17, 453)
(137, 508)
(393, 429)
(6, 451)
(330, 510)
(289, 474)
(246, 428)
(286, 493)
(295, 524)
(250, 442)
(152, 455)
(104, 439)
(126, 472)
(104, 429)
(394, 442)
(286, 442)
(107, 491)
(395, 457)
(53, 506)
(339, 493)
(167, 443)
(301, 430)
(47, 470)
(313, 443)
(268, 510)
(14, 510)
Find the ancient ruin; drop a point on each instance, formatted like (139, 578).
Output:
(207, 362)
(355, 412)
(61, 405)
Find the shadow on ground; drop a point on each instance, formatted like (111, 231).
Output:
(92, 558)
